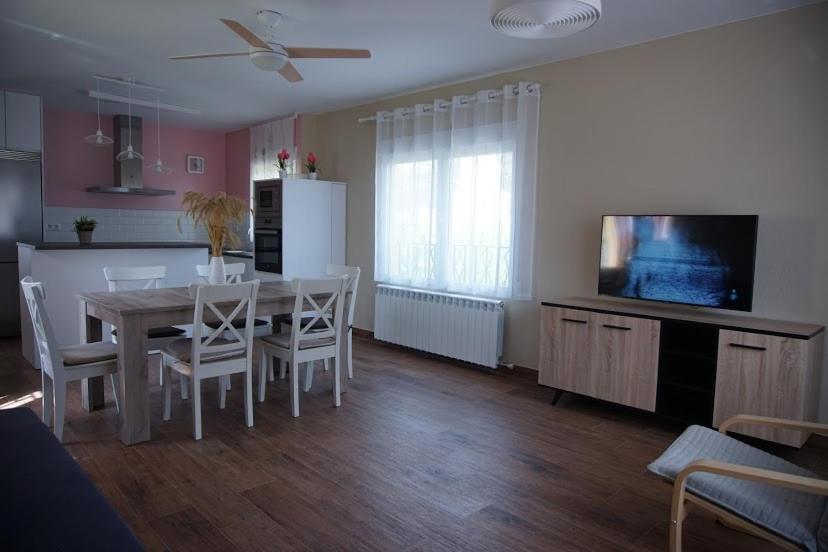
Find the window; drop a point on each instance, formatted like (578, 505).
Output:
(451, 201)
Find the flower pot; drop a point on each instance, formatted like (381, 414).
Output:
(283, 173)
(84, 236)
(312, 176)
(217, 274)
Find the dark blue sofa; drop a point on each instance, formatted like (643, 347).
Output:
(46, 500)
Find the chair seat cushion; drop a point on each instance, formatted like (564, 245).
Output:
(88, 353)
(792, 515)
(158, 333)
(182, 349)
(318, 325)
(283, 341)
(238, 323)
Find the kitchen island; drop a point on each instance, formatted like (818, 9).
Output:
(67, 269)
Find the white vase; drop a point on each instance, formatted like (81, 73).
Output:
(217, 274)
(312, 176)
(282, 173)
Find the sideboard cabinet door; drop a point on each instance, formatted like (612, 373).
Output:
(565, 349)
(625, 360)
(766, 375)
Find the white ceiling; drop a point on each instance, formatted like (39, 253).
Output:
(52, 47)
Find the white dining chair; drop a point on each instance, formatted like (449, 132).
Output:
(125, 278)
(208, 354)
(60, 365)
(233, 273)
(304, 343)
(351, 286)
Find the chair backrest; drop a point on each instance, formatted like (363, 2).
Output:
(317, 300)
(123, 278)
(50, 360)
(233, 273)
(226, 302)
(351, 286)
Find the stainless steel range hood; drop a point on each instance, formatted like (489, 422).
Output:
(129, 174)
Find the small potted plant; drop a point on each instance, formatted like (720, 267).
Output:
(310, 164)
(84, 227)
(281, 162)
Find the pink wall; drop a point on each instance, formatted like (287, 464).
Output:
(71, 165)
(237, 148)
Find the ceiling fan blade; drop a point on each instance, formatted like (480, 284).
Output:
(290, 73)
(201, 56)
(246, 34)
(327, 53)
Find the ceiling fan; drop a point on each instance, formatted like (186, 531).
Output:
(268, 55)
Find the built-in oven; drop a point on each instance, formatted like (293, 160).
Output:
(267, 227)
(268, 250)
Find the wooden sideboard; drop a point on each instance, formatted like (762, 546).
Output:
(689, 365)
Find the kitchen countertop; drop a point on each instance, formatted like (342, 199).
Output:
(59, 246)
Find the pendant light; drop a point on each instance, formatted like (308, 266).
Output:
(129, 153)
(98, 139)
(158, 166)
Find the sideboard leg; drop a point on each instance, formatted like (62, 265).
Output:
(557, 396)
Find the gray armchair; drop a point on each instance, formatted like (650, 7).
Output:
(746, 488)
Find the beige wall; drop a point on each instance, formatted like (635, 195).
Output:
(726, 120)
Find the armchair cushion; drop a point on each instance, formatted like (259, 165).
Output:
(793, 515)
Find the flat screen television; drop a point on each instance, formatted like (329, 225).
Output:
(703, 260)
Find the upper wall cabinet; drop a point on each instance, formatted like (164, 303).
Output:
(21, 122)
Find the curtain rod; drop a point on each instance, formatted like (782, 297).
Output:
(464, 100)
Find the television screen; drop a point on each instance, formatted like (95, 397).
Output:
(704, 260)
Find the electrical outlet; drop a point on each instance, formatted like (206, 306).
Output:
(53, 227)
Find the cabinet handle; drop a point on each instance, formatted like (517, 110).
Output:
(574, 320)
(614, 327)
(751, 347)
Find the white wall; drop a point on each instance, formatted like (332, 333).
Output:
(726, 120)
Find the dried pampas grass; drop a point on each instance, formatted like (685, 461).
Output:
(216, 213)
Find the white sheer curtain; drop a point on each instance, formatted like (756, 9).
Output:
(455, 193)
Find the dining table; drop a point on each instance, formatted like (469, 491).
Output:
(134, 313)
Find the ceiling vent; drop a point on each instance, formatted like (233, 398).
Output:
(544, 18)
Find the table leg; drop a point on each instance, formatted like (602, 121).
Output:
(92, 389)
(133, 380)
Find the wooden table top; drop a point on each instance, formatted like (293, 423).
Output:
(172, 299)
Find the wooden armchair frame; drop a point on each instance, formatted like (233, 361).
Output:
(682, 499)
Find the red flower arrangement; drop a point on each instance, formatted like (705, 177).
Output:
(310, 164)
(281, 159)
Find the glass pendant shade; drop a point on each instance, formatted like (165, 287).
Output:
(99, 138)
(129, 153)
(158, 167)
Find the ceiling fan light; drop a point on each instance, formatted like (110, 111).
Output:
(268, 60)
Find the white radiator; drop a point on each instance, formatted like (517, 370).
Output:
(455, 326)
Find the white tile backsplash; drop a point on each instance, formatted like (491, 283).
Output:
(124, 225)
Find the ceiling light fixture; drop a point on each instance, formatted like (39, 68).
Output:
(98, 139)
(129, 153)
(158, 166)
(544, 18)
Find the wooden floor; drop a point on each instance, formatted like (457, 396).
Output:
(423, 455)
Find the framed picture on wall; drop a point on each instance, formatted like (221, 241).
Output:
(195, 164)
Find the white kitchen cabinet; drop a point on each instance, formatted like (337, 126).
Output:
(306, 228)
(22, 122)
